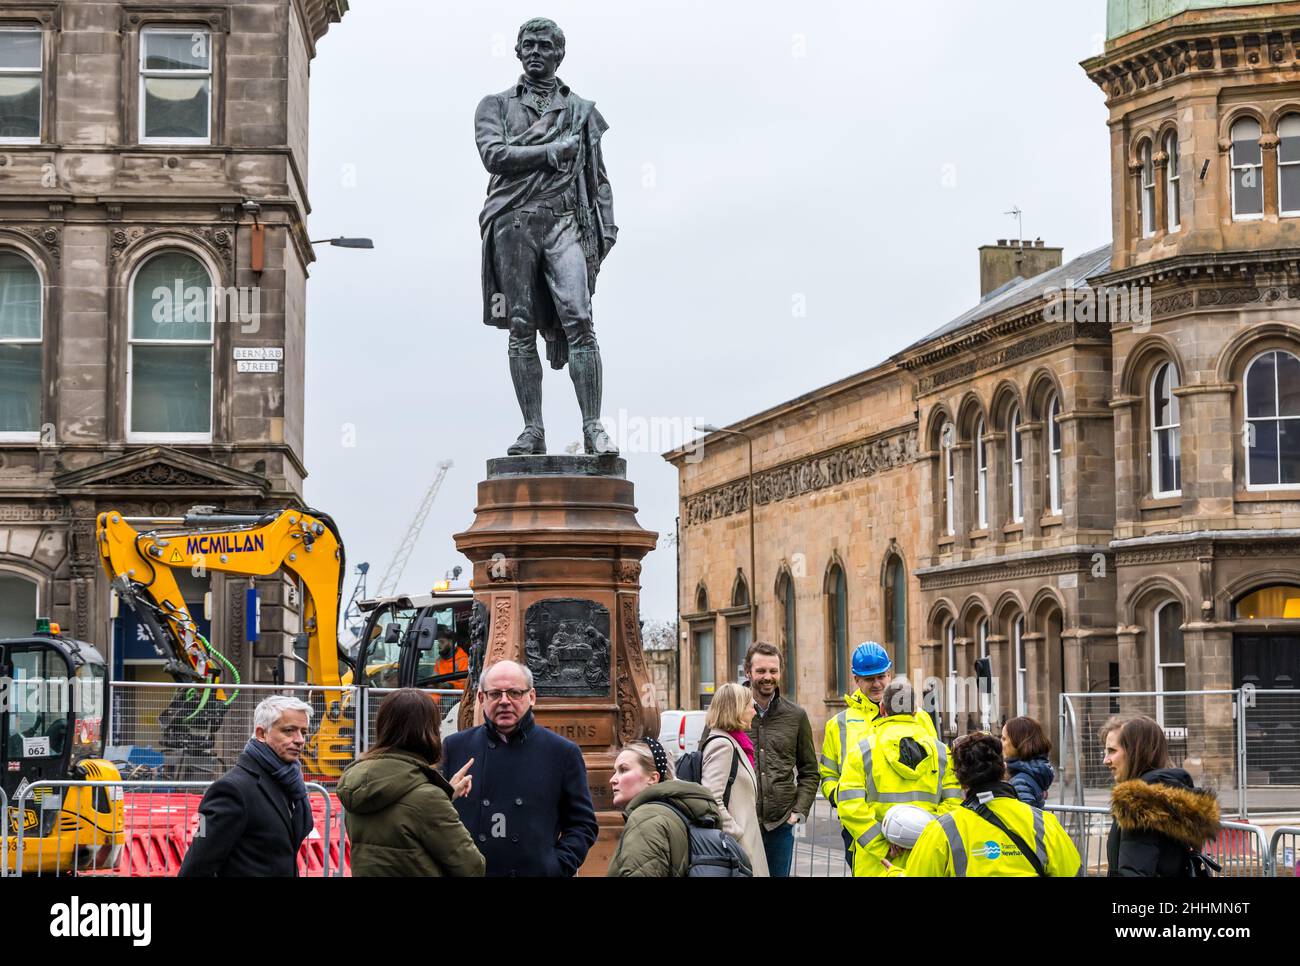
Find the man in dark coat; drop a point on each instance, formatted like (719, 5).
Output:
(547, 224)
(253, 819)
(530, 810)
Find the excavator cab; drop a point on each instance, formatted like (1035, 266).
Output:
(52, 716)
(404, 639)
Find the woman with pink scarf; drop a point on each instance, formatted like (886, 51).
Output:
(728, 769)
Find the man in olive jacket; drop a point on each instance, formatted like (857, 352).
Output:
(784, 758)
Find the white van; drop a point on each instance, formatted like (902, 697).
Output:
(679, 731)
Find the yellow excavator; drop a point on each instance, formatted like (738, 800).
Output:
(140, 555)
(52, 729)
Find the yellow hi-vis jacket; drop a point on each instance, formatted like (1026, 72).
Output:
(875, 779)
(844, 732)
(962, 844)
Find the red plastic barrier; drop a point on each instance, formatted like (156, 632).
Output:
(160, 827)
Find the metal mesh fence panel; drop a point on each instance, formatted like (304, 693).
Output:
(1200, 727)
(446, 700)
(1272, 746)
(180, 732)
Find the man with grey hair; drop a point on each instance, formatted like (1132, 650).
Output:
(253, 819)
(530, 812)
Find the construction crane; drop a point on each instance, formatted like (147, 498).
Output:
(353, 619)
(388, 586)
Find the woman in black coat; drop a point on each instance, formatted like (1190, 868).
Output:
(1161, 820)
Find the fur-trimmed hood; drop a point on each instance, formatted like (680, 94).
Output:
(1164, 801)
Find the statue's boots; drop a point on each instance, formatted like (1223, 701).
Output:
(596, 441)
(531, 442)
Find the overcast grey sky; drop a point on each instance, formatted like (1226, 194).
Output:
(849, 156)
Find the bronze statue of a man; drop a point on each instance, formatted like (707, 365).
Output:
(547, 225)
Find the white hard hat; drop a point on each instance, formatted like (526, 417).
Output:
(904, 824)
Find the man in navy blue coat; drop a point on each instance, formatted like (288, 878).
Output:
(530, 811)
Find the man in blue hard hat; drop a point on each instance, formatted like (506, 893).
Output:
(872, 671)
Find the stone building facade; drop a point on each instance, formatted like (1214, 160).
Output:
(153, 267)
(1098, 481)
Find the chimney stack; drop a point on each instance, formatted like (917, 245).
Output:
(1014, 257)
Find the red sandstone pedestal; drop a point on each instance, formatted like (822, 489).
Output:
(557, 551)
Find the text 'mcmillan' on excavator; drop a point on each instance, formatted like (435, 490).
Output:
(140, 555)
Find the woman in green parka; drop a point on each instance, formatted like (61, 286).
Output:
(655, 842)
(398, 807)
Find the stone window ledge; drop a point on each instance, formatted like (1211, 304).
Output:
(1160, 503)
(1267, 496)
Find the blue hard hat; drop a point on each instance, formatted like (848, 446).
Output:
(870, 658)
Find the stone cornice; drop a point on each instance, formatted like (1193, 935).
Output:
(1196, 45)
(806, 474)
(1214, 267)
(1051, 336)
(1171, 548)
(317, 15)
(1074, 559)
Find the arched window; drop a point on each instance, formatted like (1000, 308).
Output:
(1270, 603)
(950, 672)
(1148, 201)
(1054, 453)
(1017, 452)
(981, 475)
(1288, 165)
(20, 349)
(1247, 163)
(982, 637)
(896, 612)
(740, 630)
(947, 437)
(702, 650)
(1021, 668)
(1173, 206)
(785, 594)
(740, 592)
(169, 368)
(1272, 434)
(1166, 444)
(1171, 664)
(837, 632)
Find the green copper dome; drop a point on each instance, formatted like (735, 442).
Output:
(1125, 16)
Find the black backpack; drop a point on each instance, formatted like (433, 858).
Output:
(690, 768)
(711, 852)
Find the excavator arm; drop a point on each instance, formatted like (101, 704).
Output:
(140, 557)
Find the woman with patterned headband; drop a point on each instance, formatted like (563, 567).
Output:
(657, 807)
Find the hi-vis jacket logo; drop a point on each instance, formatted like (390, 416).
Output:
(75, 919)
(225, 543)
(994, 850)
